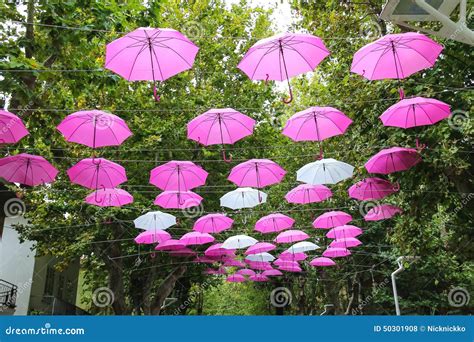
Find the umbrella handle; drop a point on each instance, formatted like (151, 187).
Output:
(420, 147)
(321, 154)
(95, 195)
(401, 93)
(227, 160)
(266, 79)
(155, 93)
(153, 255)
(396, 186)
(93, 160)
(290, 99)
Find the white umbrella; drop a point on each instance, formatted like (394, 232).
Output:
(154, 220)
(239, 241)
(324, 171)
(243, 198)
(260, 257)
(301, 247)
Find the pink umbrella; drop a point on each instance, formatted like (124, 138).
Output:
(291, 236)
(236, 278)
(234, 263)
(372, 189)
(272, 273)
(170, 245)
(345, 243)
(217, 250)
(27, 169)
(220, 126)
(260, 247)
(259, 278)
(307, 193)
(183, 252)
(256, 173)
(178, 200)
(213, 223)
(392, 160)
(283, 56)
(246, 272)
(107, 197)
(97, 173)
(322, 261)
(417, 111)
(382, 212)
(336, 252)
(196, 238)
(178, 176)
(290, 268)
(150, 54)
(94, 128)
(292, 256)
(259, 265)
(149, 237)
(285, 263)
(332, 219)
(344, 232)
(12, 128)
(273, 223)
(396, 56)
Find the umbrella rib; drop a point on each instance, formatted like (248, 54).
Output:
(304, 58)
(135, 61)
(429, 118)
(210, 129)
(177, 53)
(378, 60)
(258, 64)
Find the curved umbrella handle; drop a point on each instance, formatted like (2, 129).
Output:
(266, 79)
(420, 147)
(153, 255)
(396, 186)
(93, 160)
(155, 93)
(227, 160)
(290, 99)
(321, 154)
(401, 93)
(95, 195)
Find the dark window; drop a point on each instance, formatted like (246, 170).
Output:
(49, 283)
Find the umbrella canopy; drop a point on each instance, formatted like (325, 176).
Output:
(154, 221)
(316, 124)
(183, 252)
(243, 198)
(272, 273)
(170, 245)
(12, 128)
(382, 212)
(217, 250)
(260, 247)
(178, 199)
(178, 176)
(257, 173)
(109, 198)
(97, 173)
(204, 260)
(246, 272)
(234, 263)
(345, 243)
(213, 223)
(322, 261)
(286, 255)
(301, 247)
(285, 263)
(307, 193)
(94, 128)
(336, 252)
(150, 237)
(273, 223)
(260, 257)
(219, 271)
(332, 219)
(344, 232)
(417, 111)
(395, 56)
(393, 160)
(236, 278)
(196, 238)
(324, 171)
(238, 242)
(259, 278)
(27, 169)
(291, 236)
(372, 189)
(290, 268)
(260, 265)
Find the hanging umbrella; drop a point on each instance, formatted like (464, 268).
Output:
(178, 199)
(286, 255)
(218, 250)
(332, 219)
(246, 272)
(392, 160)
(291, 236)
(243, 198)
(260, 247)
(150, 54)
(259, 265)
(213, 223)
(97, 173)
(396, 56)
(336, 252)
(372, 189)
(417, 111)
(301, 247)
(322, 261)
(178, 176)
(259, 278)
(220, 126)
(316, 124)
(184, 252)
(263, 257)
(109, 197)
(154, 221)
(234, 263)
(236, 278)
(285, 263)
(272, 273)
(170, 245)
(344, 232)
(382, 212)
(12, 128)
(238, 242)
(283, 56)
(256, 173)
(150, 237)
(307, 193)
(204, 260)
(94, 128)
(273, 223)
(196, 238)
(290, 268)
(324, 171)
(345, 243)
(27, 169)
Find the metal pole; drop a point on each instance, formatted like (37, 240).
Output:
(394, 284)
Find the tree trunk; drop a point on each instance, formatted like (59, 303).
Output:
(166, 288)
